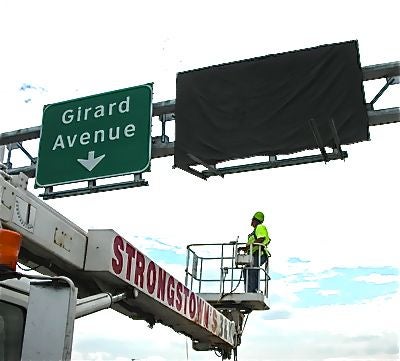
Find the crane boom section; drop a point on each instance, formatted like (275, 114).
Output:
(47, 234)
(103, 260)
(159, 292)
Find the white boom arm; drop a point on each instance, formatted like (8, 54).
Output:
(103, 261)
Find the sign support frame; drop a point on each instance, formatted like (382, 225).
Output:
(92, 187)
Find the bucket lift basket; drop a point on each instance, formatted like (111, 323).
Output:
(216, 272)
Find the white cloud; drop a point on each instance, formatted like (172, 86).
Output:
(287, 288)
(369, 316)
(346, 332)
(94, 356)
(125, 338)
(321, 276)
(378, 278)
(328, 292)
(105, 356)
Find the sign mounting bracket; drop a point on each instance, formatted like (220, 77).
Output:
(92, 187)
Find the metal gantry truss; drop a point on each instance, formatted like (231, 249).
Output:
(162, 147)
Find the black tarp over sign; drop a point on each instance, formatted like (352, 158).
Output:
(263, 106)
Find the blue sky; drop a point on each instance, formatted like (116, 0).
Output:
(335, 286)
(334, 292)
(346, 285)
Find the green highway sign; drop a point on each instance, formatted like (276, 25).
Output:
(98, 136)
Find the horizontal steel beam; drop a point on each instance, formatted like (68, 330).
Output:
(29, 171)
(166, 107)
(379, 71)
(276, 164)
(21, 135)
(384, 116)
(159, 150)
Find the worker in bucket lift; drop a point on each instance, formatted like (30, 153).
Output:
(260, 253)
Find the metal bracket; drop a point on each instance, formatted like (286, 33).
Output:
(389, 81)
(336, 138)
(10, 147)
(193, 172)
(317, 137)
(32, 159)
(163, 119)
(394, 79)
(93, 188)
(210, 167)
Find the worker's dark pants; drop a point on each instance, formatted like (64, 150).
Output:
(252, 276)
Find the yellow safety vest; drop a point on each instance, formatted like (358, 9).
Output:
(260, 231)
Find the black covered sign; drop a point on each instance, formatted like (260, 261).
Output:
(263, 106)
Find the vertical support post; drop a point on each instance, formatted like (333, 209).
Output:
(9, 164)
(259, 268)
(2, 150)
(195, 264)
(246, 281)
(162, 120)
(221, 288)
(232, 262)
(187, 267)
(201, 273)
(192, 277)
(266, 278)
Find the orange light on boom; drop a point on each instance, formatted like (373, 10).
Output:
(10, 243)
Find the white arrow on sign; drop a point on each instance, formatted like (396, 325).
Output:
(91, 162)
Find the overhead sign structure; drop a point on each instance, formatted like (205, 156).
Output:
(98, 136)
(270, 105)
